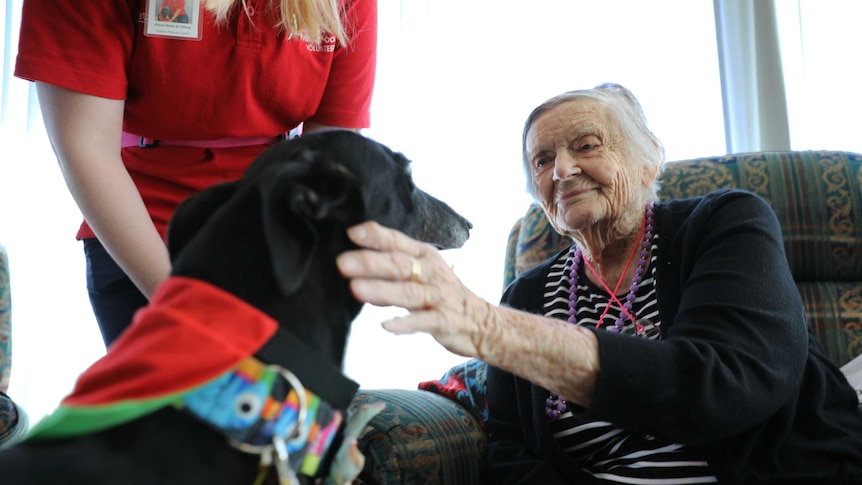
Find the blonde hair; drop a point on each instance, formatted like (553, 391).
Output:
(297, 17)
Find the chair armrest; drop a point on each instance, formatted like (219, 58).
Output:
(5, 322)
(421, 437)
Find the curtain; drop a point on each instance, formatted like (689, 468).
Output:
(752, 80)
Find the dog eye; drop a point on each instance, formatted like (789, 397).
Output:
(247, 405)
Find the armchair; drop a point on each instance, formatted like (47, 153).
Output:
(434, 434)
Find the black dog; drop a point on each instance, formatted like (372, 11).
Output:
(271, 240)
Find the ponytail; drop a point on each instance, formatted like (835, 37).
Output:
(313, 18)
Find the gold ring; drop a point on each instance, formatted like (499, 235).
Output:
(415, 269)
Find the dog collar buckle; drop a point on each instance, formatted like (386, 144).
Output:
(286, 475)
(277, 456)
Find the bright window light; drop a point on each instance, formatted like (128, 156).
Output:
(820, 48)
(456, 78)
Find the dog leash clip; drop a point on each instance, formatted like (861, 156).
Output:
(286, 475)
(273, 458)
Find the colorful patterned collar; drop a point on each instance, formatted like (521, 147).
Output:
(265, 410)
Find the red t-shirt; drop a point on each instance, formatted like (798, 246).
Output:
(243, 79)
(177, 7)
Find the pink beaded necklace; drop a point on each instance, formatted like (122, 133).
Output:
(556, 405)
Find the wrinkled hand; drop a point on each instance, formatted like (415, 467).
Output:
(393, 269)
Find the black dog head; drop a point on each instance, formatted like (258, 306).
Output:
(272, 237)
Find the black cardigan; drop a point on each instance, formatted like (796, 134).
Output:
(737, 372)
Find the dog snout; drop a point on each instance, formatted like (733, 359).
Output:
(435, 222)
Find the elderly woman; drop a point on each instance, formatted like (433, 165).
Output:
(667, 345)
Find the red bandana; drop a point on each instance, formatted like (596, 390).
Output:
(189, 334)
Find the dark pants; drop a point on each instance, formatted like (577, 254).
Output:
(114, 297)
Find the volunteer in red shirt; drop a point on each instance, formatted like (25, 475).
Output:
(143, 113)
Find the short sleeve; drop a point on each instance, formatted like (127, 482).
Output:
(81, 46)
(347, 98)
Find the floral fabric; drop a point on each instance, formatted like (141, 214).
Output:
(5, 322)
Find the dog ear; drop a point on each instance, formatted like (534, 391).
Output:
(295, 197)
(191, 215)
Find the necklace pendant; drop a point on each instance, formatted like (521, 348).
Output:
(639, 328)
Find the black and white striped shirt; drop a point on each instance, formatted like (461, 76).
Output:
(605, 451)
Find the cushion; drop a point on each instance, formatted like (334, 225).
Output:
(465, 384)
(817, 196)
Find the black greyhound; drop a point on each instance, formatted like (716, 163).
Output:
(269, 239)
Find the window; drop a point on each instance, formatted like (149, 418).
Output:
(820, 46)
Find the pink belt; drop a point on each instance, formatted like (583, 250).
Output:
(131, 140)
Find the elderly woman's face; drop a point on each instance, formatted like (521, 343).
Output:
(581, 166)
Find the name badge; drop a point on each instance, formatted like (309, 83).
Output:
(175, 19)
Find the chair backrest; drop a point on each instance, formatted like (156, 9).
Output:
(817, 196)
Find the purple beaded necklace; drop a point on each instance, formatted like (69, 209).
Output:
(556, 405)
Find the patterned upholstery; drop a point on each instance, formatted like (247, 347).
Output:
(5, 322)
(817, 196)
(11, 422)
(420, 437)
